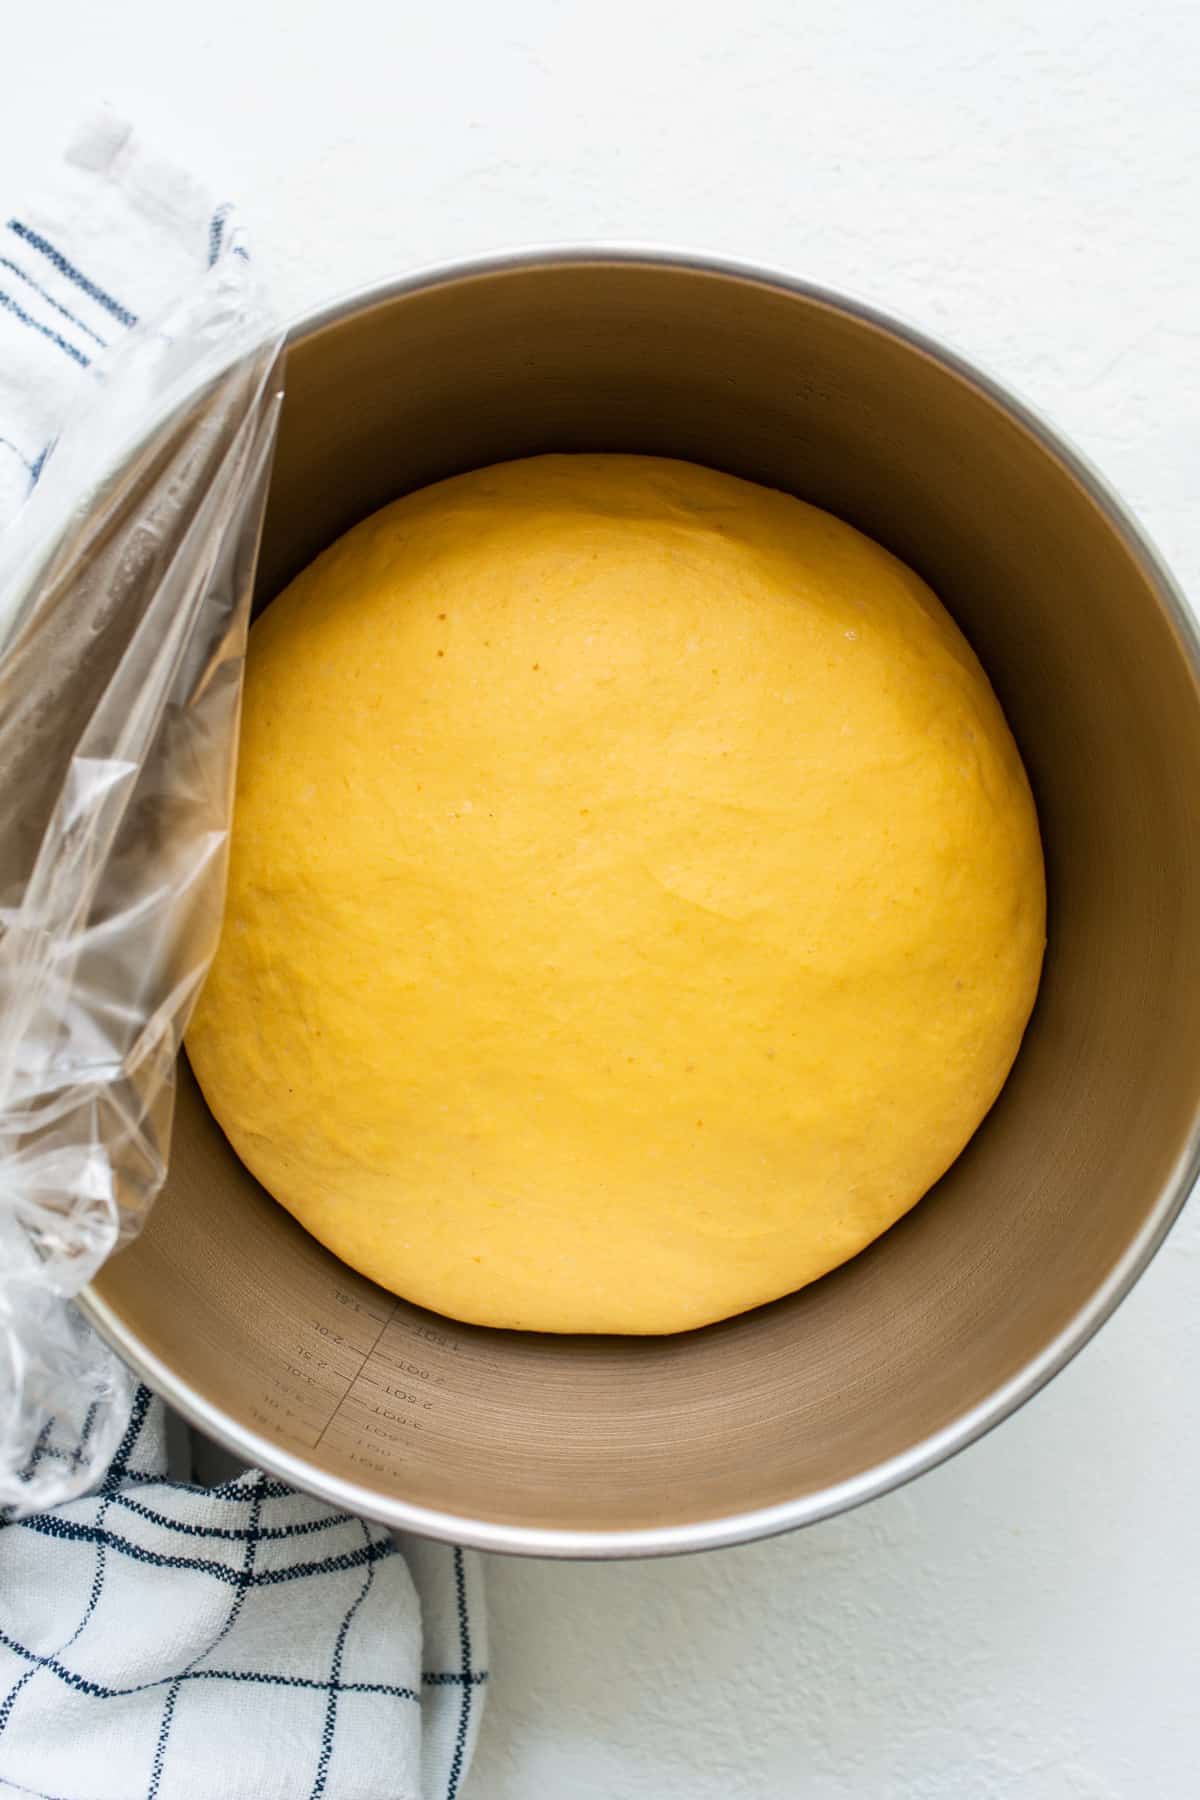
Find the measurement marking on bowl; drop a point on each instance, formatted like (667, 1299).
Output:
(383, 1325)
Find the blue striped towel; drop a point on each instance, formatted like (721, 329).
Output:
(158, 1638)
(114, 239)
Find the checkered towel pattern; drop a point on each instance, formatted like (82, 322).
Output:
(242, 1642)
(161, 1640)
(114, 239)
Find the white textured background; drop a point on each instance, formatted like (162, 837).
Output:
(1022, 177)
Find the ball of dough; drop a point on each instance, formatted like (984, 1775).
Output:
(636, 897)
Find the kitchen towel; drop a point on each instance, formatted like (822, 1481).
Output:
(160, 1638)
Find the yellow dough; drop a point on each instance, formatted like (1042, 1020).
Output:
(636, 897)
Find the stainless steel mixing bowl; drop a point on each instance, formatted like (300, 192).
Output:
(611, 1447)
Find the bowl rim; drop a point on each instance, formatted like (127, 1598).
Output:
(977, 1421)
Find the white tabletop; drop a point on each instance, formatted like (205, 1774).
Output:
(1022, 177)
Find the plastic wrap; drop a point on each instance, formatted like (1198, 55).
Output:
(125, 588)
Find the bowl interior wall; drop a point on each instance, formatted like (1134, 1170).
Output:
(802, 1396)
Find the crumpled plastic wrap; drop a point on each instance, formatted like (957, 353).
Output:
(125, 588)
